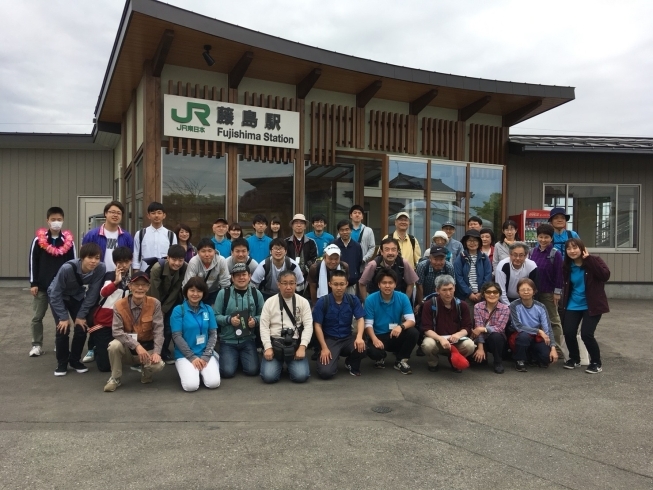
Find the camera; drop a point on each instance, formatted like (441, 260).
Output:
(289, 345)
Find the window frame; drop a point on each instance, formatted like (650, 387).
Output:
(615, 249)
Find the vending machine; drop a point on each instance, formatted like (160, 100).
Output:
(527, 223)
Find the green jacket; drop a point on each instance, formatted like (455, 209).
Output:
(236, 302)
(165, 285)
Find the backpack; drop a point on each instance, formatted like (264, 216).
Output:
(551, 257)
(140, 242)
(150, 261)
(227, 293)
(434, 307)
(401, 284)
(325, 304)
(267, 267)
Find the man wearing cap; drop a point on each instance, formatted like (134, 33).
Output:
(320, 272)
(558, 219)
(363, 235)
(408, 244)
(428, 270)
(440, 239)
(220, 240)
(454, 246)
(301, 248)
(137, 332)
(238, 313)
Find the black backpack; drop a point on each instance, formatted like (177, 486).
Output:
(227, 294)
(267, 267)
(150, 261)
(372, 287)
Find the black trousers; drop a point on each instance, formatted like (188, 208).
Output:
(65, 351)
(494, 344)
(339, 347)
(527, 347)
(570, 324)
(101, 339)
(402, 346)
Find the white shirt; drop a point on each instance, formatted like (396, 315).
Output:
(155, 244)
(112, 243)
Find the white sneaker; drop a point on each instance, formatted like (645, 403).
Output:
(89, 357)
(36, 351)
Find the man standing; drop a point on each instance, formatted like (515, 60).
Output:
(137, 332)
(51, 248)
(240, 254)
(266, 275)
(410, 250)
(211, 266)
(446, 321)
(153, 241)
(318, 235)
(238, 313)
(351, 253)
(389, 323)
(558, 219)
(332, 317)
(286, 330)
(165, 285)
(220, 240)
(510, 270)
(110, 236)
(259, 242)
(301, 248)
(360, 233)
(390, 259)
(454, 246)
(319, 275)
(474, 223)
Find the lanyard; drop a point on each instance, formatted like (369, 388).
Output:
(199, 323)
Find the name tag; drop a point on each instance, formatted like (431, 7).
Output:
(205, 316)
(134, 336)
(200, 339)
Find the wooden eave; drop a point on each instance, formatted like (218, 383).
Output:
(144, 23)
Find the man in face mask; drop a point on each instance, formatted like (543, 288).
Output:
(51, 248)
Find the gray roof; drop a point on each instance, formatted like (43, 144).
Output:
(600, 144)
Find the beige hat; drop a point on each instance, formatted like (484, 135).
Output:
(402, 214)
(441, 234)
(299, 217)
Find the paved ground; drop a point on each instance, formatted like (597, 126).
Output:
(542, 429)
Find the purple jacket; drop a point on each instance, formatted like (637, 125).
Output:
(596, 275)
(96, 235)
(549, 273)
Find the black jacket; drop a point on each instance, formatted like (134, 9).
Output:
(43, 266)
(308, 253)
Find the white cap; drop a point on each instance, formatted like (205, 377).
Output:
(332, 249)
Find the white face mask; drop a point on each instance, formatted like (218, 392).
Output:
(56, 225)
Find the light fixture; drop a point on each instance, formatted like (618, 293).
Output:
(207, 56)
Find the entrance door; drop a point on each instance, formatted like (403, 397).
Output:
(90, 214)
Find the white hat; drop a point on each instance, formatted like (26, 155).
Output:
(402, 214)
(299, 217)
(441, 234)
(332, 249)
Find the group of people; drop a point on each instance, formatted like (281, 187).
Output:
(259, 303)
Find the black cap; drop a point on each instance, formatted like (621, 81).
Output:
(438, 251)
(139, 275)
(223, 220)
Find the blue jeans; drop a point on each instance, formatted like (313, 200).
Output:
(245, 352)
(298, 370)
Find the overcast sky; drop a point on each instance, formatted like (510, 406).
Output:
(54, 53)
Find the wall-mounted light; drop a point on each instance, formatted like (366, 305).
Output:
(207, 56)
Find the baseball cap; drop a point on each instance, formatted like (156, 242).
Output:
(238, 268)
(438, 251)
(332, 249)
(221, 220)
(403, 214)
(448, 223)
(139, 275)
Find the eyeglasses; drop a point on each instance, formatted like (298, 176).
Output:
(278, 249)
(518, 256)
(492, 292)
(117, 213)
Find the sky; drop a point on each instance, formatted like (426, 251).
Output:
(54, 53)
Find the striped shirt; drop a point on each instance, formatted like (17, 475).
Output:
(473, 278)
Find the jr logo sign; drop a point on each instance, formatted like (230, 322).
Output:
(202, 111)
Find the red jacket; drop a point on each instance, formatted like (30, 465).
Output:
(596, 275)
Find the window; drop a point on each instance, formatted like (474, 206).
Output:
(329, 190)
(605, 216)
(448, 194)
(408, 194)
(194, 192)
(485, 195)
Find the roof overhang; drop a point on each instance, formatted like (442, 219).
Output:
(105, 136)
(144, 22)
(580, 144)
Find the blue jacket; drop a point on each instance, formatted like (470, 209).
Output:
(193, 327)
(461, 268)
(96, 235)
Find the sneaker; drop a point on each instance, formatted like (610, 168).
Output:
(594, 368)
(136, 367)
(380, 364)
(36, 351)
(571, 364)
(433, 369)
(456, 370)
(403, 367)
(146, 376)
(111, 385)
(521, 366)
(498, 368)
(168, 359)
(90, 356)
(78, 366)
(420, 352)
(351, 371)
(62, 369)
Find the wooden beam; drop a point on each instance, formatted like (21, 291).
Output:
(518, 114)
(162, 51)
(421, 102)
(240, 68)
(468, 111)
(305, 86)
(364, 96)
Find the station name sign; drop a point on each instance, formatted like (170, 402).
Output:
(234, 123)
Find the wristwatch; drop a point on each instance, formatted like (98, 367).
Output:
(402, 326)
(485, 329)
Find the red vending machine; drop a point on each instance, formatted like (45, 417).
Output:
(527, 223)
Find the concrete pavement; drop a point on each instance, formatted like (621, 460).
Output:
(548, 428)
